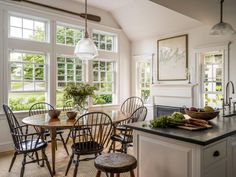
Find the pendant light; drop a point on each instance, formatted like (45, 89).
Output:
(85, 49)
(222, 28)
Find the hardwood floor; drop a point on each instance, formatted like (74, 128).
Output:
(86, 168)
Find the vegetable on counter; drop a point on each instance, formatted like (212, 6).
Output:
(175, 119)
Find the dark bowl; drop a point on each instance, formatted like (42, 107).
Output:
(54, 113)
(71, 114)
(202, 115)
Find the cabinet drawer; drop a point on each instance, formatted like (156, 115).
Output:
(214, 153)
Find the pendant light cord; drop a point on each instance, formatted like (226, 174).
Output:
(221, 10)
(86, 16)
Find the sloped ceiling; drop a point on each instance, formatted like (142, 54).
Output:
(206, 11)
(142, 18)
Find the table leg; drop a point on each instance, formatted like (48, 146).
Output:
(53, 134)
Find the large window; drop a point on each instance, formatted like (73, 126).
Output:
(34, 77)
(212, 85)
(106, 42)
(27, 79)
(144, 77)
(27, 28)
(69, 69)
(68, 35)
(104, 80)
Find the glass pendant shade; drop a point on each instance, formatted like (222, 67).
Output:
(222, 28)
(86, 49)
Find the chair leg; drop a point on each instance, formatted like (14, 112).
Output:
(47, 162)
(23, 166)
(112, 175)
(132, 173)
(13, 160)
(64, 144)
(42, 152)
(69, 164)
(68, 137)
(37, 157)
(118, 175)
(111, 146)
(76, 166)
(98, 173)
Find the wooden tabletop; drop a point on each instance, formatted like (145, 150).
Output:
(44, 121)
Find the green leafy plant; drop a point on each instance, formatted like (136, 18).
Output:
(79, 93)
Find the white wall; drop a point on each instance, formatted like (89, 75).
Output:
(198, 38)
(107, 24)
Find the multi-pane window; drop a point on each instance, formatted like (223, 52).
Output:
(213, 78)
(68, 36)
(104, 80)
(144, 79)
(106, 42)
(26, 28)
(69, 69)
(27, 77)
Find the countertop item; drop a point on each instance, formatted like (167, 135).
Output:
(222, 127)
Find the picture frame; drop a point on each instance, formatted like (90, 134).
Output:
(172, 58)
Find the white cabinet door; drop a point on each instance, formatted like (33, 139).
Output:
(219, 169)
(163, 159)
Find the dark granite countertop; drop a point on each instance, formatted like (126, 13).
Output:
(222, 128)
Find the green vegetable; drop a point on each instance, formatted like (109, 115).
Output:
(175, 119)
(177, 116)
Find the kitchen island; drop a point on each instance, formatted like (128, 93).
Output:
(174, 152)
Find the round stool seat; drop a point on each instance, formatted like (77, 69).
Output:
(115, 163)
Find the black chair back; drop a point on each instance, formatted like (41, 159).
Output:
(138, 115)
(94, 129)
(40, 108)
(22, 140)
(131, 104)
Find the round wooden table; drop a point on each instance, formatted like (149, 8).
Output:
(43, 121)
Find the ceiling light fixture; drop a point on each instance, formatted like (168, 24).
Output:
(222, 28)
(85, 49)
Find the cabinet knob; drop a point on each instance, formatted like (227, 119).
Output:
(216, 154)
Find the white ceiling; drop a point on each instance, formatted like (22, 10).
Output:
(206, 11)
(142, 18)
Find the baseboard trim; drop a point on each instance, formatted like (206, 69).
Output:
(6, 146)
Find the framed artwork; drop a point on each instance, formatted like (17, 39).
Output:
(172, 58)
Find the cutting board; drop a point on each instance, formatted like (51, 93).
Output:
(195, 128)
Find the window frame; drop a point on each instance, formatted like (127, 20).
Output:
(114, 43)
(49, 47)
(199, 69)
(45, 72)
(29, 17)
(66, 25)
(114, 85)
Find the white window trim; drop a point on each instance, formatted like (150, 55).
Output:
(137, 59)
(34, 18)
(198, 68)
(50, 47)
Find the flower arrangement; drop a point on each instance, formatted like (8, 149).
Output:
(79, 93)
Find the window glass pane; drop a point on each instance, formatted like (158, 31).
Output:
(104, 42)
(29, 29)
(213, 78)
(24, 101)
(69, 69)
(68, 35)
(103, 74)
(15, 21)
(28, 24)
(16, 32)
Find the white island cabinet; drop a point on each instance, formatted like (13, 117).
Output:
(182, 153)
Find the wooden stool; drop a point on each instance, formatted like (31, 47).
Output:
(115, 163)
